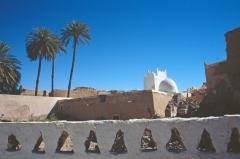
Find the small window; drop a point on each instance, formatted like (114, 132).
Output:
(102, 98)
(61, 108)
(116, 117)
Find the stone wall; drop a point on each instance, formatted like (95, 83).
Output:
(122, 105)
(22, 108)
(218, 130)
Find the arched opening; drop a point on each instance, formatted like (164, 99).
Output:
(168, 86)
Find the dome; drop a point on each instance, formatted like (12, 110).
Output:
(168, 85)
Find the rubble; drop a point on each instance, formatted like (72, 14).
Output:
(186, 106)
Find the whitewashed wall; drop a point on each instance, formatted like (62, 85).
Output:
(190, 130)
(19, 107)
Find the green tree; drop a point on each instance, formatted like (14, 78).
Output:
(79, 34)
(9, 70)
(41, 44)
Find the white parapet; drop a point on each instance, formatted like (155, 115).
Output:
(190, 130)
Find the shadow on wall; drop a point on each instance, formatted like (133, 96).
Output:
(53, 114)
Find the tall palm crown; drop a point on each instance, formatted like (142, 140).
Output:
(40, 44)
(79, 33)
(9, 69)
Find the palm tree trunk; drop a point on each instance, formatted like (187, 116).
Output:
(38, 75)
(73, 62)
(52, 94)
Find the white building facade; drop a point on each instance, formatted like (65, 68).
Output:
(158, 81)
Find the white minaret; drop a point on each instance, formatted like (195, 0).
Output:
(159, 81)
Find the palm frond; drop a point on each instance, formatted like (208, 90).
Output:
(9, 68)
(75, 31)
(43, 42)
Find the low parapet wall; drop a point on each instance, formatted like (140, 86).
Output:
(190, 131)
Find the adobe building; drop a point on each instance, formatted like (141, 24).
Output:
(223, 86)
(148, 103)
(224, 71)
(118, 105)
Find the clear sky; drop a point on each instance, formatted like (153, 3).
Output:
(129, 37)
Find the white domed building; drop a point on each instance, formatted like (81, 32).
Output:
(158, 81)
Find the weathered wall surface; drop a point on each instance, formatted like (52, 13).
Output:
(126, 105)
(15, 107)
(160, 102)
(76, 93)
(190, 131)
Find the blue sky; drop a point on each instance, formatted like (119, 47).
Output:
(129, 37)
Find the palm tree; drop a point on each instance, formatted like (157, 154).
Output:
(41, 44)
(79, 33)
(59, 48)
(9, 70)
